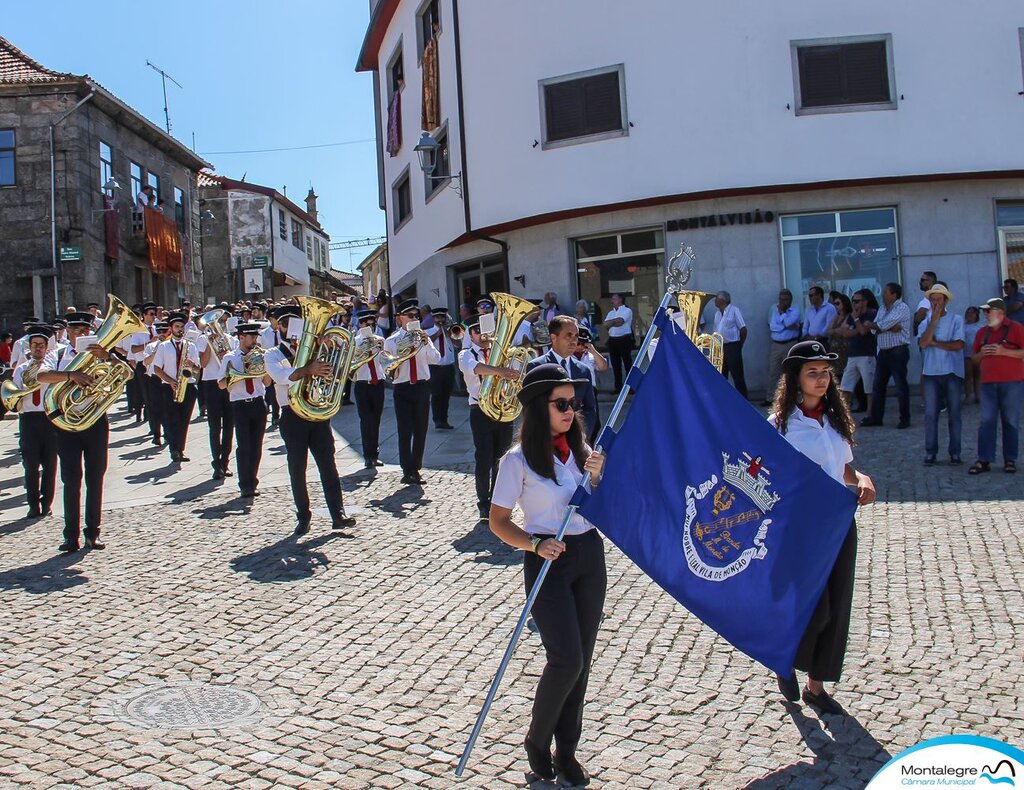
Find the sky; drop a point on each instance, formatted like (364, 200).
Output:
(257, 74)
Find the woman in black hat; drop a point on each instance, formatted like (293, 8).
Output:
(811, 413)
(540, 474)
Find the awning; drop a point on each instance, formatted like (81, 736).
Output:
(285, 280)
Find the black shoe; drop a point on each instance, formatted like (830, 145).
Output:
(246, 494)
(484, 511)
(540, 761)
(570, 772)
(789, 687)
(369, 463)
(823, 702)
(929, 460)
(182, 458)
(256, 492)
(175, 457)
(867, 422)
(302, 526)
(409, 480)
(228, 472)
(95, 543)
(378, 462)
(218, 474)
(954, 460)
(418, 478)
(903, 424)
(68, 548)
(444, 427)
(341, 523)
(156, 441)
(33, 513)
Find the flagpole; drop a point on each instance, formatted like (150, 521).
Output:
(620, 401)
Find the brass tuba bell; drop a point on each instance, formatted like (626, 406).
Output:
(318, 398)
(12, 396)
(498, 397)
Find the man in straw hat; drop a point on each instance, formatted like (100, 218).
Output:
(941, 338)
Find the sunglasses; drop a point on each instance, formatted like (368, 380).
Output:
(562, 405)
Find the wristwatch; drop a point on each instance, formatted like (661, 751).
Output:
(535, 543)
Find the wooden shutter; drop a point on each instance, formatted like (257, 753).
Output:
(844, 74)
(576, 108)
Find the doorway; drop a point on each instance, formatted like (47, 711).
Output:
(473, 280)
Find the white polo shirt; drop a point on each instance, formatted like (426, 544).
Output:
(627, 321)
(138, 339)
(542, 501)
(728, 323)
(214, 369)
(823, 444)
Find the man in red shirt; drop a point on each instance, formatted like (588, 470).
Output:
(999, 352)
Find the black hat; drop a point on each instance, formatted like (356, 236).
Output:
(38, 330)
(79, 319)
(287, 311)
(30, 321)
(409, 305)
(59, 323)
(261, 305)
(248, 328)
(584, 335)
(174, 318)
(148, 306)
(225, 306)
(543, 379)
(161, 326)
(439, 311)
(485, 300)
(94, 304)
(472, 321)
(994, 304)
(365, 313)
(809, 351)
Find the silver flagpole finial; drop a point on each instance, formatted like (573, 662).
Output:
(678, 274)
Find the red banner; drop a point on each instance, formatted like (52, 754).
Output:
(164, 244)
(111, 228)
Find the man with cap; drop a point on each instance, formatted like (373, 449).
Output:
(60, 330)
(302, 436)
(999, 353)
(490, 438)
(19, 351)
(442, 375)
(37, 438)
(148, 387)
(75, 447)
(171, 355)
(411, 390)
(97, 319)
(941, 340)
(249, 410)
(271, 334)
(368, 390)
(219, 416)
(564, 339)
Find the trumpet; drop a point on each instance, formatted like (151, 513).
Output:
(254, 367)
(12, 396)
(456, 332)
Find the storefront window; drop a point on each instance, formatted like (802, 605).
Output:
(840, 250)
(628, 263)
(1010, 219)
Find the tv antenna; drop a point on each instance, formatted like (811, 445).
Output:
(164, 76)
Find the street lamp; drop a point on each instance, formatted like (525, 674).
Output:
(427, 150)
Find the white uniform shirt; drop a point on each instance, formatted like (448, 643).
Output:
(468, 360)
(167, 356)
(18, 379)
(239, 391)
(214, 369)
(728, 323)
(424, 358)
(138, 339)
(437, 337)
(279, 367)
(821, 443)
(627, 321)
(58, 359)
(19, 352)
(271, 337)
(542, 501)
(364, 374)
(149, 352)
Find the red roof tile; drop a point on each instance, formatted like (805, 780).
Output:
(17, 67)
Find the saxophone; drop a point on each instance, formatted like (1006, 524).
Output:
(498, 397)
(12, 396)
(318, 398)
(187, 372)
(75, 408)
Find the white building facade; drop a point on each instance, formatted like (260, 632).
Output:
(844, 146)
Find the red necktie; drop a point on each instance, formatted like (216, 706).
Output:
(412, 370)
(373, 372)
(35, 398)
(441, 337)
(177, 355)
(250, 388)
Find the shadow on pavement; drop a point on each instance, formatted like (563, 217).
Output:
(155, 474)
(52, 575)
(288, 560)
(192, 492)
(405, 499)
(235, 507)
(849, 753)
(17, 501)
(487, 548)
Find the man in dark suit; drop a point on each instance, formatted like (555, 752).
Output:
(564, 339)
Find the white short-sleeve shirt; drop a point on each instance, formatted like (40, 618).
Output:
(729, 322)
(626, 315)
(543, 502)
(279, 368)
(823, 444)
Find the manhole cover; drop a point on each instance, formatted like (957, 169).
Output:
(190, 706)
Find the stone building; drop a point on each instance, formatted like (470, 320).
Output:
(374, 271)
(72, 240)
(258, 243)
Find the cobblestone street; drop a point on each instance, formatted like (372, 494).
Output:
(363, 659)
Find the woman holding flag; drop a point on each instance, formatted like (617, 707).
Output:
(540, 474)
(812, 415)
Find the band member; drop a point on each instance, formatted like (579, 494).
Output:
(301, 436)
(37, 438)
(171, 355)
(97, 319)
(368, 389)
(442, 375)
(810, 412)
(147, 392)
(219, 416)
(60, 331)
(271, 335)
(412, 392)
(74, 447)
(156, 406)
(248, 410)
(491, 439)
(564, 340)
(540, 474)
(19, 351)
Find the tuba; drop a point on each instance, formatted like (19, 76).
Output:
(75, 408)
(366, 349)
(497, 396)
(254, 367)
(209, 322)
(408, 347)
(187, 373)
(12, 396)
(318, 398)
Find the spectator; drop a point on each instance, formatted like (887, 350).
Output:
(384, 323)
(818, 317)
(972, 376)
(784, 331)
(145, 199)
(999, 352)
(730, 325)
(427, 319)
(928, 279)
(549, 307)
(1014, 300)
(583, 316)
(861, 347)
(892, 331)
(619, 323)
(941, 338)
(838, 331)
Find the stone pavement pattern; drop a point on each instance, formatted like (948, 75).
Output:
(371, 654)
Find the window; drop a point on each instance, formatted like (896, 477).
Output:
(443, 169)
(583, 107)
(319, 261)
(135, 172)
(325, 255)
(840, 250)
(106, 165)
(838, 75)
(396, 72)
(179, 208)
(282, 224)
(154, 181)
(7, 175)
(309, 248)
(296, 234)
(401, 199)
(429, 23)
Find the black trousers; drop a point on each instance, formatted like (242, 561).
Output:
(620, 349)
(891, 362)
(37, 440)
(220, 419)
(823, 646)
(732, 365)
(275, 407)
(178, 417)
(250, 417)
(412, 411)
(302, 437)
(370, 405)
(442, 385)
(491, 439)
(152, 391)
(568, 614)
(73, 448)
(133, 390)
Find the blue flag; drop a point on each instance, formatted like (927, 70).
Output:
(703, 494)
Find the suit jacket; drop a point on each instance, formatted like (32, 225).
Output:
(577, 370)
